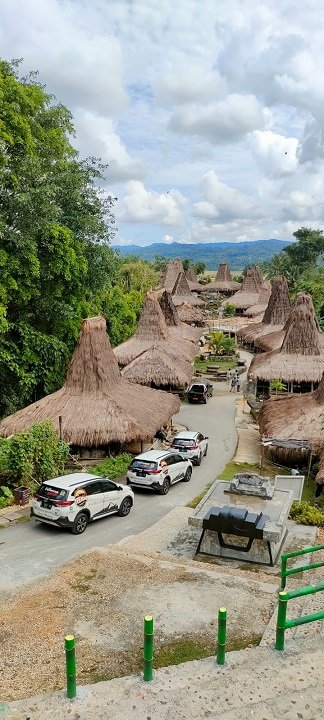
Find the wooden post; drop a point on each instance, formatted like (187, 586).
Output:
(60, 427)
(310, 458)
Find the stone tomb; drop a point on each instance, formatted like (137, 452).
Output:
(275, 510)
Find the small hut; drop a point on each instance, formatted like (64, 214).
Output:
(249, 292)
(299, 363)
(157, 369)
(260, 307)
(181, 292)
(193, 282)
(294, 417)
(96, 409)
(151, 330)
(193, 316)
(171, 316)
(170, 274)
(275, 316)
(224, 282)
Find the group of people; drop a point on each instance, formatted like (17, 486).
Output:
(233, 380)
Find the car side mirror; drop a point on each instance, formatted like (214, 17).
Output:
(206, 437)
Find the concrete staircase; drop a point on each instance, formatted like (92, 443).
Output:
(256, 682)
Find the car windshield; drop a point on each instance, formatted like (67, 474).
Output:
(183, 441)
(197, 388)
(49, 491)
(143, 465)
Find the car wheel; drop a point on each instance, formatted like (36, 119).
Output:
(205, 401)
(198, 461)
(164, 489)
(125, 507)
(80, 523)
(188, 474)
(206, 451)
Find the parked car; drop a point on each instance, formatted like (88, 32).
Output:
(74, 500)
(158, 469)
(191, 445)
(199, 392)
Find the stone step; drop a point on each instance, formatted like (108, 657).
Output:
(256, 682)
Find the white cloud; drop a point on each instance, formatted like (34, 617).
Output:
(227, 120)
(189, 83)
(141, 205)
(220, 202)
(97, 135)
(274, 153)
(167, 239)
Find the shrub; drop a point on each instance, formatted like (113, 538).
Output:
(229, 310)
(6, 496)
(33, 456)
(306, 514)
(114, 467)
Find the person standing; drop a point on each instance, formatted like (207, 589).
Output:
(233, 383)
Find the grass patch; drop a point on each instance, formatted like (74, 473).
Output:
(182, 650)
(23, 519)
(222, 364)
(82, 581)
(269, 470)
(193, 503)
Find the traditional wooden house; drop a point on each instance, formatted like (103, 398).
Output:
(97, 411)
(172, 319)
(249, 292)
(274, 318)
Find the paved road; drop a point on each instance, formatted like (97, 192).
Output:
(28, 551)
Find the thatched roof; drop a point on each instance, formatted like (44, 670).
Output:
(298, 417)
(223, 281)
(249, 292)
(301, 355)
(152, 329)
(181, 292)
(269, 342)
(193, 282)
(262, 304)
(156, 368)
(275, 316)
(170, 274)
(189, 314)
(97, 406)
(173, 321)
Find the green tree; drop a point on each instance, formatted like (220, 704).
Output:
(199, 268)
(55, 226)
(137, 275)
(121, 311)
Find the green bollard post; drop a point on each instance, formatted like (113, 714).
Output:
(70, 666)
(148, 648)
(281, 620)
(221, 639)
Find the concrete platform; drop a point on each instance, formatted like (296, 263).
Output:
(276, 511)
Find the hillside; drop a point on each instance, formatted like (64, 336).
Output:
(238, 255)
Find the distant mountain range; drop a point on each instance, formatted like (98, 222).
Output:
(238, 255)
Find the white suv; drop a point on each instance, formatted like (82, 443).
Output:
(75, 500)
(191, 445)
(158, 469)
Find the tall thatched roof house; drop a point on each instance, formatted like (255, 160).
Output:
(170, 274)
(224, 282)
(295, 417)
(275, 316)
(96, 406)
(260, 307)
(193, 282)
(249, 292)
(193, 316)
(171, 316)
(272, 341)
(156, 368)
(299, 362)
(181, 292)
(151, 330)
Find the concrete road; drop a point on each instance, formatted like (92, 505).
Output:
(30, 550)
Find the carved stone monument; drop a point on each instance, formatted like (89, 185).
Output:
(251, 484)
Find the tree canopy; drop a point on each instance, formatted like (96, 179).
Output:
(55, 228)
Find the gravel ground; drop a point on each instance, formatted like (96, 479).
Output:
(101, 598)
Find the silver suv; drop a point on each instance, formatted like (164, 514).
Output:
(158, 469)
(74, 500)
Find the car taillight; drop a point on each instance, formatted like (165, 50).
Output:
(63, 503)
(154, 472)
(192, 447)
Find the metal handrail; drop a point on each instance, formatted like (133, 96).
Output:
(293, 571)
(282, 622)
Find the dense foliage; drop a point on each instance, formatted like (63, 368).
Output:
(56, 266)
(306, 514)
(30, 457)
(114, 467)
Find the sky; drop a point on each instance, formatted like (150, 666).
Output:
(209, 114)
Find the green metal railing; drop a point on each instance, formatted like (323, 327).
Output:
(283, 624)
(293, 571)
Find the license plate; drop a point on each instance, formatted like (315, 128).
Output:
(46, 504)
(183, 449)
